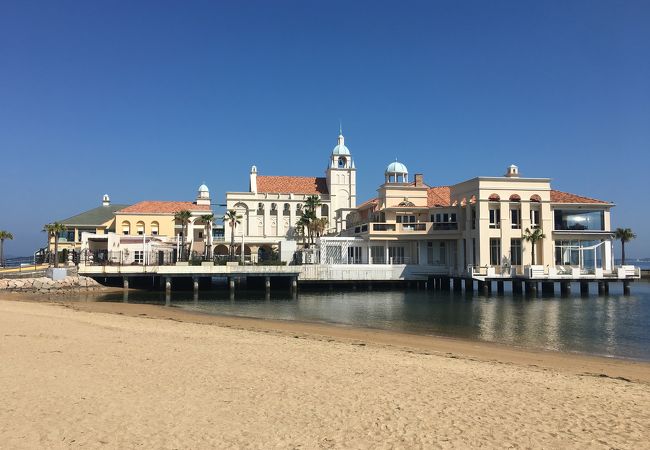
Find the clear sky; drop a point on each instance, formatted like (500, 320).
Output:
(146, 100)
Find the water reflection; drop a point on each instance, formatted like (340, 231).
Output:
(610, 325)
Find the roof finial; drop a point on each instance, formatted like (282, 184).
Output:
(340, 128)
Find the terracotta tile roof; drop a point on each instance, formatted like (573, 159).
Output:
(287, 185)
(367, 203)
(566, 197)
(438, 196)
(160, 207)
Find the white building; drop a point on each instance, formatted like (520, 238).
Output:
(273, 205)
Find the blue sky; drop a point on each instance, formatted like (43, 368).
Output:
(146, 100)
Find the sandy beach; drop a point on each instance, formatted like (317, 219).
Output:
(124, 376)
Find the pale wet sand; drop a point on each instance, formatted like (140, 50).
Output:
(122, 376)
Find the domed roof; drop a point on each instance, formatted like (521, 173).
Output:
(341, 149)
(396, 167)
(203, 188)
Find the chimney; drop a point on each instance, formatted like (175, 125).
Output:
(253, 183)
(106, 200)
(419, 180)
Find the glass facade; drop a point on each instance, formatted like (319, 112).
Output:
(585, 254)
(579, 220)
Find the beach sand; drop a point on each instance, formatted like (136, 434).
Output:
(99, 375)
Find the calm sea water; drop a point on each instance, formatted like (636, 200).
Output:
(613, 325)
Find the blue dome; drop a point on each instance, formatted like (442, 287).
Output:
(341, 149)
(203, 188)
(396, 167)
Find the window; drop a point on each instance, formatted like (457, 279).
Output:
(377, 254)
(579, 220)
(515, 252)
(324, 211)
(154, 228)
(200, 234)
(495, 217)
(287, 209)
(138, 257)
(354, 255)
(495, 251)
(534, 218)
(442, 255)
(452, 218)
(473, 218)
(405, 219)
(139, 227)
(342, 162)
(396, 255)
(126, 227)
(515, 218)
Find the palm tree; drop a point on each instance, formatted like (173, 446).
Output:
(207, 225)
(309, 217)
(312, 202)
(4, 235)
(53, 230)
(233, 219)
(183, 216)
(624, 235)
(533, 237)
(320, 226)
(302, 223)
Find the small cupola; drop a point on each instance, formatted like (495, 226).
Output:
(106, 200)
(512, 171)
(396, 172)
(203, 195)
(341, 157)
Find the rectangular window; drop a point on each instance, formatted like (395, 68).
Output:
(442, 256)
(445, 217)
(534, 218)
(354, 255)
(200, 234)
(495, 217)
(515, 218)
(396, 255)
(377, 254)
(138, 256)
(515, 252)
(495, 251)
(579, 220)
(452, 218)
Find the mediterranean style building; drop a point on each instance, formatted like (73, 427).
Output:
(476, 226)
(273, 205)
(136, 231)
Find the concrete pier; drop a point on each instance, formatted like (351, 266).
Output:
(458, 287)
(601, 288)
(500, 287)
(195, 284)
(168, 284)
(626, 288)
(517, 287)
(565, 288)
(469, 286)
(267, 283)
(125, 282)
(584, 288)
(548, 288)
(531, 288)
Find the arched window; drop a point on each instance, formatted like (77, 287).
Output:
(494, 197)
(535, 198)
(515, 198)
(324, 211)
(126, 227)
(139, 227)
(154, 228)
(287, 209)
(342, 162)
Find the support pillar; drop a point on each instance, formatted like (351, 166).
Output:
(231, 284)
(531, 288)
(517, 287)
(626, 288)
(489, 287)
(584, 288)
(483, 287)
(469, 286)
(125, 282)
(606, 287)
(267, 283)
(565, 288)
(195, 284)
(445, 283)
(548, 288)
(500, 288)
(294, 283)
(168, 284)
(457, 285)
(601, 288)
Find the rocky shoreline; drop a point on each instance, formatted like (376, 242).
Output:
(47, 285)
